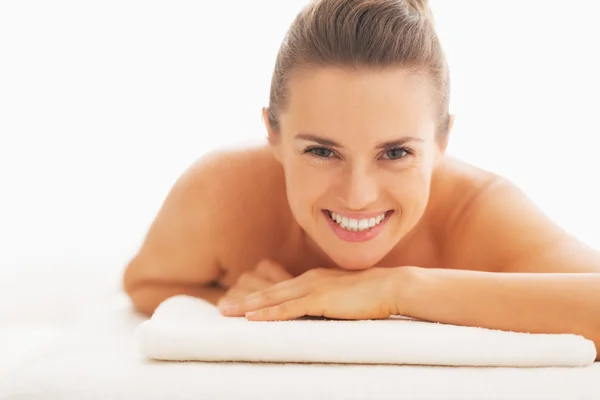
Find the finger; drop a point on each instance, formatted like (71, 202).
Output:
(232, 295)
(276, 294)
(272, 271)
(252, 282)
(236, 294)
(285, 311)
(247, 283)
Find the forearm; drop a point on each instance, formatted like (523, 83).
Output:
(520, 302)
(146, 298)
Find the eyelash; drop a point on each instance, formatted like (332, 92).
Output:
(311, 151)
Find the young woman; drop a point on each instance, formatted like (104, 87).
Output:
(353, 210)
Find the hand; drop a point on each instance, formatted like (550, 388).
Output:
(338, 294)
(266, 274)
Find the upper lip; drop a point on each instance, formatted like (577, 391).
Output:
(354, 215)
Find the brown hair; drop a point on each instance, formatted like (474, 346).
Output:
(362, 34)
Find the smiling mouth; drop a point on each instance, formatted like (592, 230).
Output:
(357, 225)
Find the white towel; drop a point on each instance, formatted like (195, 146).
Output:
(189, 329)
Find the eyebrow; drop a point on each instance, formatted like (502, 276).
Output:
(331, 143)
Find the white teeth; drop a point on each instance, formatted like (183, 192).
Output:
(356, 224)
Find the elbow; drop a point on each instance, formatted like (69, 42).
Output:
(129, 279)
(133, 286)
(596, 339)
(141, 299)
(597, 345)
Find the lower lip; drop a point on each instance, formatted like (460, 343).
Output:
(356, 236)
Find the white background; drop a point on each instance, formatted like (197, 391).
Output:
(103, 104)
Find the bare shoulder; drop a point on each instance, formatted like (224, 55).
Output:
(243, 188)
(455, 186)
(216, 209)
(495, 226)
(247, 204)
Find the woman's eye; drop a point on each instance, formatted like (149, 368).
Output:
(321, 152)
(396, 153)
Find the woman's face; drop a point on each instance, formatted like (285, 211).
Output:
(358, 150)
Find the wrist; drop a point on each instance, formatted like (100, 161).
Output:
(405, 286)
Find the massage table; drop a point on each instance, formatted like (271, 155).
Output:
(99, 358)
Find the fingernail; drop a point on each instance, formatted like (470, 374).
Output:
(226, 306)
(250, 314)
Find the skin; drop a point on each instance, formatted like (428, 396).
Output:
(246, 230)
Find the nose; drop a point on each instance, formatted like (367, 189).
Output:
(358, 189)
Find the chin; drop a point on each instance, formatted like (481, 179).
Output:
(354, 263)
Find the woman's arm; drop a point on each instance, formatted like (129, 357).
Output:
(146, 298)
(519, 302)
(506, 266)
(178, 256)
(538, 278)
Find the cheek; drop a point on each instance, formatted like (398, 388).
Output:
(306, 185)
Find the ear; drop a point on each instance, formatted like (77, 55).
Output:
(451, 119)
(446, 137)
(443, 141)
(272, 136)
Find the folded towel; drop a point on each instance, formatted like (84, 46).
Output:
(185, 328)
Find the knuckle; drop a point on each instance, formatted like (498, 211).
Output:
(283, 309)
(317, 274)
(244, 278)
(234, 292)
(265, 297)
(313, 273)
(264, 266)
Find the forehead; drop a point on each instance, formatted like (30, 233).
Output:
(334, 101)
